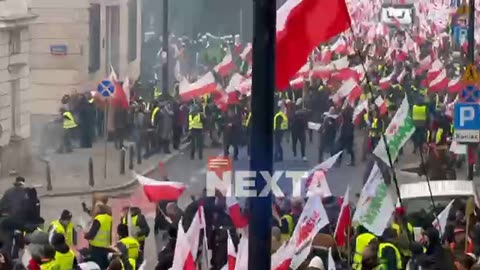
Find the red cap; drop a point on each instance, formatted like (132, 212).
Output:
(400, 211)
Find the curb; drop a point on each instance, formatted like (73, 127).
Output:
(126, 185)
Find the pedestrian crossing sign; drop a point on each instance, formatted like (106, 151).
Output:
(471, 75)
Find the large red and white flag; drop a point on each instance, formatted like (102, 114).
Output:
(113, 75)
(344, 220)
(205, 85)
(242, 255)
(441, 221)
(235, 211)
(301, 26)
(161, 190)
(183, 258)
(193, 232)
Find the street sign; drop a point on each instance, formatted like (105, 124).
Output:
(471, 93)
(467, 136)
(106, 88)
(467, 116)
(471, 75)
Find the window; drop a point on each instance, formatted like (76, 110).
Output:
(15, 43)
(94, 61)
(132, 30)
(15, 106)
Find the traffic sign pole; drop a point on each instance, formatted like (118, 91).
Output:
(471, 58)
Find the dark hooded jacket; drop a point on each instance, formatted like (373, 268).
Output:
(436, 257)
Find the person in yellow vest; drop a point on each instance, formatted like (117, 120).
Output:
(64, 226)
(195, 125)
(157, 93)
(289, 221)
(155, 125)
(375, 129)
(140, 229)
(389, 256)
(128, 247)
(48, 261)
(64, 256)
(69, 126)
(420, 119)
(363, 239)
(405, 233)
(280, 126)
(100, 235)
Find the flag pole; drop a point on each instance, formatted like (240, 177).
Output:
(263, 86)
(394, 175)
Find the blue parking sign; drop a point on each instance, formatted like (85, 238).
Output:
(467, 116)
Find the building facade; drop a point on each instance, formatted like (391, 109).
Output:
(75, 44)
(15, 86)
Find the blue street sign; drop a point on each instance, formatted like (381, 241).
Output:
(106, 88)
(471, 94)
(467, 116)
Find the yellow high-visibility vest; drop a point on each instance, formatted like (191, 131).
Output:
(67, 232)
(69, 121)
(291, 226)
(154, 114)
(135, 224)
(157, 92)
(361, 243)
(133, 249)
(247, 122)
(398, 256)
(419, 113)
(374, 131)
(51, 265)
(195, 122)
(397, 228)
(284, 124)
(438, 135)
(65, 260)
(91, 100)
(103, 238)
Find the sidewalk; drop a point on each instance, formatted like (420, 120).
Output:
(70, 174)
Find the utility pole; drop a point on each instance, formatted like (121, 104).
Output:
(165, 48)
(471, 59)
(261, 140)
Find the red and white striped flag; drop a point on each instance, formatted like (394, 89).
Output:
(183, 258)
(161, 190)
(205, 85)
(344, 220)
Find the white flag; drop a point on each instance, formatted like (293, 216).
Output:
(313, 219)
(376, 204)
(441, 221)
(331, 262)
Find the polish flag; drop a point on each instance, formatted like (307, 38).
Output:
(161, 190)
(246, 54)
(297, 83)
(225, 67)
(245, 86)
(359, 110)
(381, 105)
(340, 63)
(401, 76)
(235, 211)
(440, 82)
(193, 232)
(340, 46)
(234, 83)
(113, 75)
(433, 72)
(183, 258)
(119, 97)
(441, 221)
(344, 90)
(424, 65)
(305, 70)
(321, 71)
(231, 253)
(344, 220)
(204, 85)
(301, 26)
(354, 95)
(386, 82)
(455, 85)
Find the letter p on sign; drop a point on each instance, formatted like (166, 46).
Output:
(466, 114)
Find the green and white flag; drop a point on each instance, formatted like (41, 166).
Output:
(397, 134)
(375, 205)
